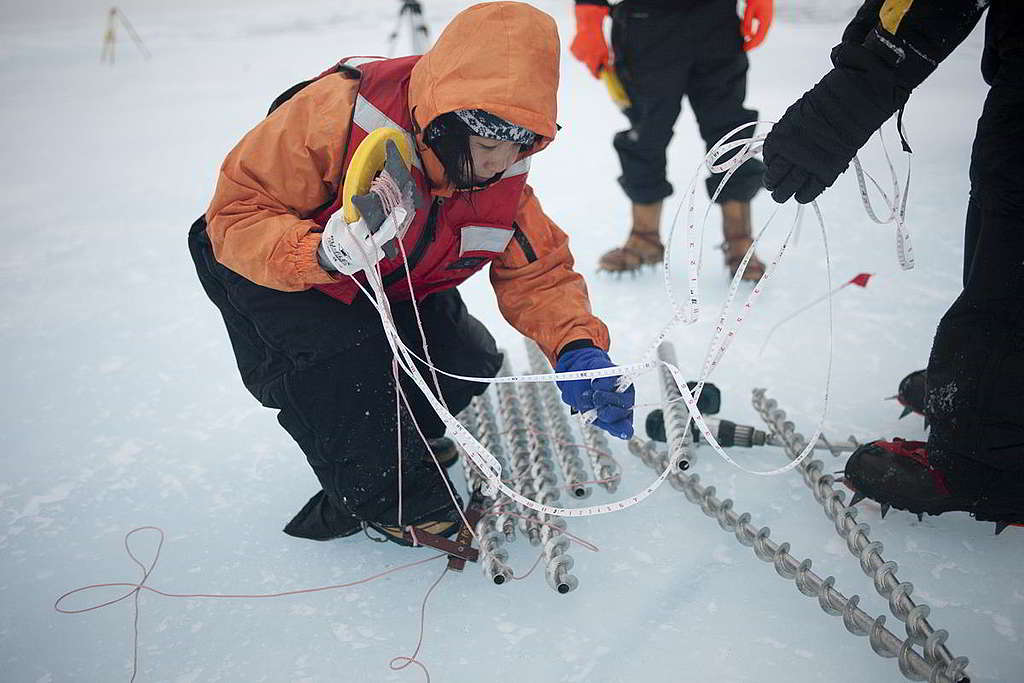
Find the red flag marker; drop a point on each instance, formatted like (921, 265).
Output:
(861, 280)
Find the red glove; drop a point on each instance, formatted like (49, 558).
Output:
(588, 46)
(760, 11)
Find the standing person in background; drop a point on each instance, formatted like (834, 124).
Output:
(974, 398)
(665, 50)
(277, 257)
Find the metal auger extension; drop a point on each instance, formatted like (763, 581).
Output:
(606, 468)
(931, 667)
(858, 622)
(533, 476)
(555, 546)
(868, 552)
(517, 433)
(542, 466)
(478, 418)
(677, 431)
(566, 452)
(557, 560)
(491, 439)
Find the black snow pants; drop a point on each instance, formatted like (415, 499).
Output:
(327, 368)
(975, 396)
(663, 54)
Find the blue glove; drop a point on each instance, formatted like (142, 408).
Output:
(614, 409)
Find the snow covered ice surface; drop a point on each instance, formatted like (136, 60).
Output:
(123, 407)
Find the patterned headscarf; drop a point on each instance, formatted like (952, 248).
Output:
(482, 123)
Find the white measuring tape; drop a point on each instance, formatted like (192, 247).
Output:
(725, 332)
(897, 207)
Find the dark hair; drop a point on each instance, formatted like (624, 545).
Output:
(452, 150)
(448, 137)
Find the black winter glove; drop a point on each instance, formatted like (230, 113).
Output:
(821, 132)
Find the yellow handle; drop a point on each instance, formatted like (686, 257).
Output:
(615, 88)
(367, 162)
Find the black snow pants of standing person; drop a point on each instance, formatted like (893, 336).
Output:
(975, 396)
(327, 367)
(663, 54)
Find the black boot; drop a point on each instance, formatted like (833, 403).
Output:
(320, 520)
(444, 450)
(899, 474)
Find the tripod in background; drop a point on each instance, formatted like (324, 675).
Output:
(110, 35)
(411, 12)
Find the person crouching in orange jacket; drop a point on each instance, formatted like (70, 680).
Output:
(276, 256)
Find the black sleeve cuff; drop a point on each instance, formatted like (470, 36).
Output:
(576, 344)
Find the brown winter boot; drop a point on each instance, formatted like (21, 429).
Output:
(643, 246)
(736, 234)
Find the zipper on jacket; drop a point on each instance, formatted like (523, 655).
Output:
(420, 248)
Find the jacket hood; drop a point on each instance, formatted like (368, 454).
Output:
(501, 57)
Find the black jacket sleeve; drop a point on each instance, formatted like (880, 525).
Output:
(888, 49)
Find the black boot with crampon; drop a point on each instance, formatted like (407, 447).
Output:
(899, 474)
(911, 394)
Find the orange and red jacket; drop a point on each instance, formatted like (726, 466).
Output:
(267, 213)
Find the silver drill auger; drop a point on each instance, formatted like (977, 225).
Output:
(542, 466)
(493, 557)
(868, 552)
(606, 468)
(676, 414)
(554, 545)
(858, 622)
(566, 452)
(517, 433)
(491, 439)
(933, 666)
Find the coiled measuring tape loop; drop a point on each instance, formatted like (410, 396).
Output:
(897, 213)
(723, 334)
(897, 207)
(725, 330)
(749, 147)
(694, 251)
(690, 399)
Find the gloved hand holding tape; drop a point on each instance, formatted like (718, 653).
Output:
(362, 233)
(603, 401)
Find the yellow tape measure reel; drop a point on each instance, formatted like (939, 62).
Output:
(367, 162)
